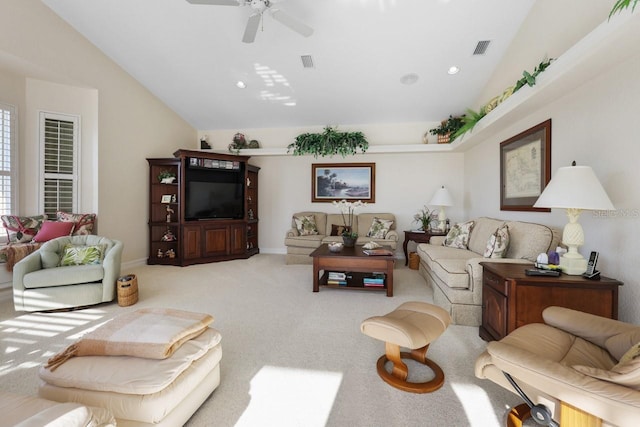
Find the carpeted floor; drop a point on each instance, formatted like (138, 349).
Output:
(291, 357)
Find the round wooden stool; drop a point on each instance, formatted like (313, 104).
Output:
(413, 325)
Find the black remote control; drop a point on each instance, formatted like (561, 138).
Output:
(538, 272)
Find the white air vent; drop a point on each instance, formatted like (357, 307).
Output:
(307, 61)
(481, 47)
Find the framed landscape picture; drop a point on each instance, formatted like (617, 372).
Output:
(525, 168)
(338, 181)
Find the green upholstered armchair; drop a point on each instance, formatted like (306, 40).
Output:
(66, 272)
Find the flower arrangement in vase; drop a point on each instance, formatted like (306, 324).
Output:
(347, 209)
(424, 218)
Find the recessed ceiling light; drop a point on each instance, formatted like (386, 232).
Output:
(409, 79)
(241, 84)
(453, 70)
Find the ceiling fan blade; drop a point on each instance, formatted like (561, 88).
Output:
(251, 29)
(291, 22)
(216, 2)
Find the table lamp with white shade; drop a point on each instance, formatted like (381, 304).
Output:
(574, 188)
(441, 198)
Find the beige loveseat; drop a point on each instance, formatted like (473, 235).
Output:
(299, 247)
(456, 274)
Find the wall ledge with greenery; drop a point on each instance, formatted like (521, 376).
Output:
(329, 143)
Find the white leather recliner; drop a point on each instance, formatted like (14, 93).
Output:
(584, 369)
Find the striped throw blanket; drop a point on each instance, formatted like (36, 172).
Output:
(152, 333)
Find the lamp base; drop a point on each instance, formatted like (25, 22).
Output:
(573, 266)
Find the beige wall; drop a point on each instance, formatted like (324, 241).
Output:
(131, 124)
(593, 125)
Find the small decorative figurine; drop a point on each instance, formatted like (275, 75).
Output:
(250, 213)
(169, 212)
(160, 254)
(170, 253)
(168, 236)
(174, 198)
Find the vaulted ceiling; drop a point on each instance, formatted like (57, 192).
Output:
(374, 61)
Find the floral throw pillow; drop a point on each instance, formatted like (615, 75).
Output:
(379, 228)
(21, 229)
(458, 236)
(82, 255)
(83, 223)
(306, 225)
(498, 243)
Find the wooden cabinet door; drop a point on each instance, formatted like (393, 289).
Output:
(191, 242)
(216, 240)
(494, 312)
(238, 239)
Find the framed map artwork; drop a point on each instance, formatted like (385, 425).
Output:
(525, 168)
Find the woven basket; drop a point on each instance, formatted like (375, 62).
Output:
(444, 139)
(414, 260)
(127, 290)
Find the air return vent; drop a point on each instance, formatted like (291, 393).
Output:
(481, 47)
(307, 61)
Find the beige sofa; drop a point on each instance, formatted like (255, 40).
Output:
(456, 274)
(574, 362)
(299, 247)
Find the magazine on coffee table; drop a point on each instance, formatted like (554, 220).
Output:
(377, 252)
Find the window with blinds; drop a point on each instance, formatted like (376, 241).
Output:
(7, 159)
(59, 160)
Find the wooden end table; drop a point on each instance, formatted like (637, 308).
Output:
(356, 263)
(511, 299)
(418, 237)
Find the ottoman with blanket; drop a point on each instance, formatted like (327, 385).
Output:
(149, 367)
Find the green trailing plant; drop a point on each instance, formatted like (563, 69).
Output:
(620, 5)
(328, 143)
(449, 126)
(530, 78)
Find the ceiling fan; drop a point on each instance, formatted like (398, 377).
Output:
(259, 7)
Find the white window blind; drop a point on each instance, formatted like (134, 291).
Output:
(7, 159)
(59, 159)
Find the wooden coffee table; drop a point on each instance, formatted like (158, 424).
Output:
(354, 262)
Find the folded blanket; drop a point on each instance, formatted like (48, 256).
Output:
(151, 333)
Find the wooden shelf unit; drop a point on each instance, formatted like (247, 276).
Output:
(203, 240)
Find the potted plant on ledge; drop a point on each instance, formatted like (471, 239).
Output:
(328, 143)
(447, 129)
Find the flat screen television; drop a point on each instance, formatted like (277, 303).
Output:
(213, 200)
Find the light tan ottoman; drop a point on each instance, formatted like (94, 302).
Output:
(412, 325)
(31, 411)
(141, 392)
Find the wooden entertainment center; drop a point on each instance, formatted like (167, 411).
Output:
(207, 213)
